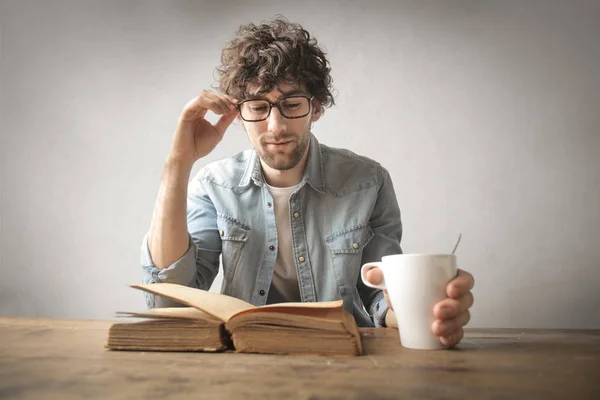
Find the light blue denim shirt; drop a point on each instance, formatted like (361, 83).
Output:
(343, 214)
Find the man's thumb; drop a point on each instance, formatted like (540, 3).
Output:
(224, 122)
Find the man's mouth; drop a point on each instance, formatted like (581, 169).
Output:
(278, 145)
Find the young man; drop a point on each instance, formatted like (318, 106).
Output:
(293, 219)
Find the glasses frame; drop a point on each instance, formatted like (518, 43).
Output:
(278, 106)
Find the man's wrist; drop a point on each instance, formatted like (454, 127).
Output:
(179, 163)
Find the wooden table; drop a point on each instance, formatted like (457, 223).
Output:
(66, 359)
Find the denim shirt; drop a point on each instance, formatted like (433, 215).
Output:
(343, 214)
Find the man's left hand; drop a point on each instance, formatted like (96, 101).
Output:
(451, 314)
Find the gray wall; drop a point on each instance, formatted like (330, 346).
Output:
(486, 113)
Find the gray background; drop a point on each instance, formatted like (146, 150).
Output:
(486, 113)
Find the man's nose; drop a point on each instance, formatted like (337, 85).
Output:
(277, 122)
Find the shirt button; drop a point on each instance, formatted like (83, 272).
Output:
(221, 233)
(262, 292)
(296, 214)
(271, 248)
(301, 259)
(355, 245)
(269, 204)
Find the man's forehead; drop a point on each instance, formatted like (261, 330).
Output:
(282, 88)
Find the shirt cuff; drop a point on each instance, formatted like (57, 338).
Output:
(380, 309)
(181, 272)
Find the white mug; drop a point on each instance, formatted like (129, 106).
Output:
(415, 283)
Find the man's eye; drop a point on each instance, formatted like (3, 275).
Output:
(258, 108)
(291, 106)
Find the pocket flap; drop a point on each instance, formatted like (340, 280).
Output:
(232, 229)
(350, 240)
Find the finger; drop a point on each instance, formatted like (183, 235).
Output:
(232, 99)
(450, 326)
(224, 122)
(453, 339)
(198, 107)
(193, 109)
(374, 276)
(450, 308)
(222, 105)
(461, 285)
(227, 102)
(387, 300)
(213, 102)
(390, 319)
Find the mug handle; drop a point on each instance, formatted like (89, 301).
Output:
(363, 274)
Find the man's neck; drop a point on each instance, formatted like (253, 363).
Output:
(285, 178)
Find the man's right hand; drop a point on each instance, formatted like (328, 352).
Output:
(195, 137)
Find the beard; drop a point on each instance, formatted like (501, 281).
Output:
(284, 159)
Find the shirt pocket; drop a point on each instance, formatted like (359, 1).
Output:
(234, 235)
(346, 247)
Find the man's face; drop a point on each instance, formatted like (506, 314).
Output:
(279, 141)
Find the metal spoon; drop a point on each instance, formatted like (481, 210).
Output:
(457, 242)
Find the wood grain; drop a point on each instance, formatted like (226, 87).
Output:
(66, 359)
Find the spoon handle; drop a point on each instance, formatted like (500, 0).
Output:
(457, 242)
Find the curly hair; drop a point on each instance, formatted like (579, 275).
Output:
(273, 52)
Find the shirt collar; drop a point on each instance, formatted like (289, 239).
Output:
(313, 173)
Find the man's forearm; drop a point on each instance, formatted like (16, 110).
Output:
(168, 239)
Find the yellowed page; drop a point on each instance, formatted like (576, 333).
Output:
(171, 312)
(325, 309)
(218, 305)
(321, 304)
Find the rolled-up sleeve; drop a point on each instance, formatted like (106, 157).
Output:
(379, 309)
(181, 272)
(199, 266)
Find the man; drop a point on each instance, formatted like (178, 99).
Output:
(293, 219)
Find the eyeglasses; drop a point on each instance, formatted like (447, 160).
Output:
(290, 107)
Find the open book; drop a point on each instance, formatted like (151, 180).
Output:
(216, 322)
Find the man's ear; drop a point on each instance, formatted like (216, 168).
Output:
(317, 111)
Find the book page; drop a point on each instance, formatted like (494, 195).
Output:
(324, 309)
(171, 312)
(218, 305)
(320, 304)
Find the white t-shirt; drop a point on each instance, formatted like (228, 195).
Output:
(284, 286)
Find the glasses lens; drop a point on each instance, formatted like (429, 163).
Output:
(255, 110)
(294, 107)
